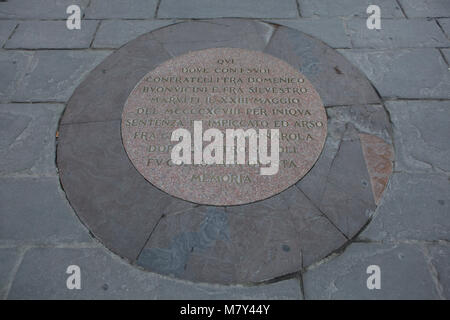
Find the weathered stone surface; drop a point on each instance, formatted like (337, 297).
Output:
(397, 34)
(281, 290)
(379, 157)
(446, 53)
(289, 226)
(421, 134)
(230, 8)
(115, 33)
(6, 29)
(249, 243)
(347, 8)
(38, 9)
(44, 218)
(27, 138)
(440, 258)
(314, 235)
(414, 207)
(346, 199)
(334, 78)
(445, 24)
(107, 9)
(425, 8)
(221, 33)
(45, 75)
(51, 35)
(12, 75)
(395, 73)
(13, 65)
(102, 95)
(350, 155)
(123, 214)
(404, 274)
(10, 258)
(42, 275)
(314, 182)
(329, 30)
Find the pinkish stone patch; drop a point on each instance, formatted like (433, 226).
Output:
(225, 88)
(379, 157)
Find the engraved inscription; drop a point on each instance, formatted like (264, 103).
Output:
(224, 88)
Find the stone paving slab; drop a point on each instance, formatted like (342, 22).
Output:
(221, 33)
(281, 290)
(115, 33)
(229, 185)
(379, 157)
(44, 217)
(369, 120)
(420, 149)
(348, 8)
(322, 66)
(6, 29)
(38, 9)
(51, 35)
(405, 274)
(13, 65)
(230, 8)
(415, 207)
(103, 94)
(397, 34)
(167, 235)
(45, 75)
(120, 72)
(425, 8)
(404, 73)
(42, 275)
(439, 258)
(348, 199)
(110, 9)
(27, 138)
(300, 217)
(119, 214)
(9, 257)
(329, 30)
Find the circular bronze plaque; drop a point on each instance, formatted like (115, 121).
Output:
(223, 88)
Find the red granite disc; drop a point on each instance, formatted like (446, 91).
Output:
(224, 88)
